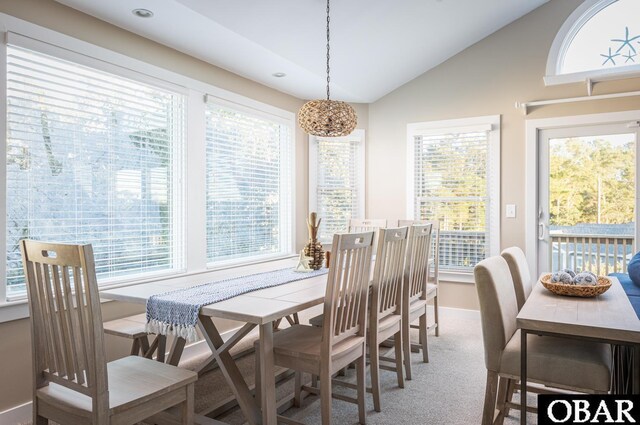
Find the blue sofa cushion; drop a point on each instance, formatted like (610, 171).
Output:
(630, 288)
(634, 269)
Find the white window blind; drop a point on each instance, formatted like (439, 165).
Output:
(337, 181)
(453, 184)
(248, 185)
(91, 158)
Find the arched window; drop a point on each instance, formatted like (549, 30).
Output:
(600, 40)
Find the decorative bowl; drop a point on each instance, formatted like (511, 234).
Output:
(585, 291)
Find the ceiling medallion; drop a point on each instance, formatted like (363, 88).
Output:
(327, 118)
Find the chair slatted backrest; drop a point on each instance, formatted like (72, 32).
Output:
(435, 245)
(345, 305)
(357, 225)
(388, 274)
(66, 321)
(366, 225)
(417, 264)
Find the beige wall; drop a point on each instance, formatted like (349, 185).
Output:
(485, 79)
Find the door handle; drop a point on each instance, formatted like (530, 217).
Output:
(541, 231)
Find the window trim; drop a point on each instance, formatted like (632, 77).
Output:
(193, 242)
(313, 172)
(562, 41)
(491, 123)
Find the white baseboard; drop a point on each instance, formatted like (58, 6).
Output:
(18, 415)
(460, 313)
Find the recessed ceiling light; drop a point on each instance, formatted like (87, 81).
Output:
(279, 74)
(142, 13)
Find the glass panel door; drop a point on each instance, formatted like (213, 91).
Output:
(587, 198)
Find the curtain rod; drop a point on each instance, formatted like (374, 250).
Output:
(526, 105)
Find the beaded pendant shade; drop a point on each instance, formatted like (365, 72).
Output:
(326, 117)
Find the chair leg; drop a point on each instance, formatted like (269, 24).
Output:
(188, 406)
(437, 316)
(406, 343)
(490, 398)
(423, 334)
(374, 358)
(258, 380)
(503, 388)
(325, 396)
(314, 381)
(511, 389)
(37, 419)
(362, 386)
(397, 342)
(297, 398)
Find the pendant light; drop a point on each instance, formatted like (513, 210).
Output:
(327, 118)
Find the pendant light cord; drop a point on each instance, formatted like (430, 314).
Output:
(328, 48)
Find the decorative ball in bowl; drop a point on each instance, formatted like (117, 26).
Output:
(568, 283)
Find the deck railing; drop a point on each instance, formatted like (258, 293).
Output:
(601, 254)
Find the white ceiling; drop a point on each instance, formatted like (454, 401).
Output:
(376, 45)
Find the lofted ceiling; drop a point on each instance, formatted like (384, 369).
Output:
(376, 45)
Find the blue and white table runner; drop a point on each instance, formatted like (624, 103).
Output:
(176, 312)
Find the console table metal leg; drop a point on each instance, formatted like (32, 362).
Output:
(523, 377)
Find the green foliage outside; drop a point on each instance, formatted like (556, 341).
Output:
(592, 180)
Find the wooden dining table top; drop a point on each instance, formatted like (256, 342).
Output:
(259, 307)
(609, 316)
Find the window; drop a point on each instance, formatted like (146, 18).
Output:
(91, 158)
(598, 39)
(336, 181)
(248, 184)
(454, 178)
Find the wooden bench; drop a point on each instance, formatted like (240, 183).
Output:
(133, 328)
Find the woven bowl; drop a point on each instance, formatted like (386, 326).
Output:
(585, 291)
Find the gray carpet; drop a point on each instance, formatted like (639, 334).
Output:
(448, 390)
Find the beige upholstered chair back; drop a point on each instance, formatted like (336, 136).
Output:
(386, 296)
(417, 264)
(66, 322)
(517, 262)
(498, 307)
(345, 304)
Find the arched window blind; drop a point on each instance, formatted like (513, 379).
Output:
(92, 158)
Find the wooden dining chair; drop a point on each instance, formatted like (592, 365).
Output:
(416, 292)
(73, 384)
(552, 362)
(433, 281)
(357, 225)
(323, 351)
(385, 313)
(517, 262)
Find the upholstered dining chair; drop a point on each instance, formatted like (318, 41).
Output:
(73, 384)
(433, 281)
(415, 291)
(520, 273)
(323, 351)
(552, 361)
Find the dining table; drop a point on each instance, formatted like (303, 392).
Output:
(606, 318)
(261, 308)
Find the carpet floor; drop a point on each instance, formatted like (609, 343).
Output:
(447, 390)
